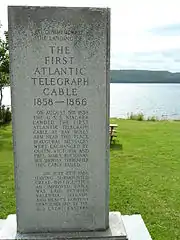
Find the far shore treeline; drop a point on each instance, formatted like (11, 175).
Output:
(144, 76)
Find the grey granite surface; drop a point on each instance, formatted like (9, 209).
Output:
(59, 69)
(134, 225)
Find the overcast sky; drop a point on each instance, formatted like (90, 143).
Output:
(145, 34)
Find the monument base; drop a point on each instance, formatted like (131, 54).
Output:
(116, 231)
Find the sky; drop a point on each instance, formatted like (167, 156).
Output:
(145, 34)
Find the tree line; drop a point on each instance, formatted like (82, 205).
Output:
(5, 113)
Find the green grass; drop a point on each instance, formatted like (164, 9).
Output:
(7, 199)
(144, 174)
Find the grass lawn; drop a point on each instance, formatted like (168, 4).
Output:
(7, 199)
(144, 174)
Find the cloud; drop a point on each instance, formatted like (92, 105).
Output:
(157, 60)
(167, 30)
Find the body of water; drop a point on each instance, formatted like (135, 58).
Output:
(161, 100)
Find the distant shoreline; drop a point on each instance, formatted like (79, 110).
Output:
(146, 82)
(144, 76)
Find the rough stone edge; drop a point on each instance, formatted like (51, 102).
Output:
(115, 232)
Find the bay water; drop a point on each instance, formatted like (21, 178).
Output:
(160, 100)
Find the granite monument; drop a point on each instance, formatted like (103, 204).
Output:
(59, 69)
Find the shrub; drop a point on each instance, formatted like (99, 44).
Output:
(5, 115)
(137, 117)
(152, 119)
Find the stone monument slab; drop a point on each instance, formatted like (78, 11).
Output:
(134, 225)
(59, 62)
(116, 231)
